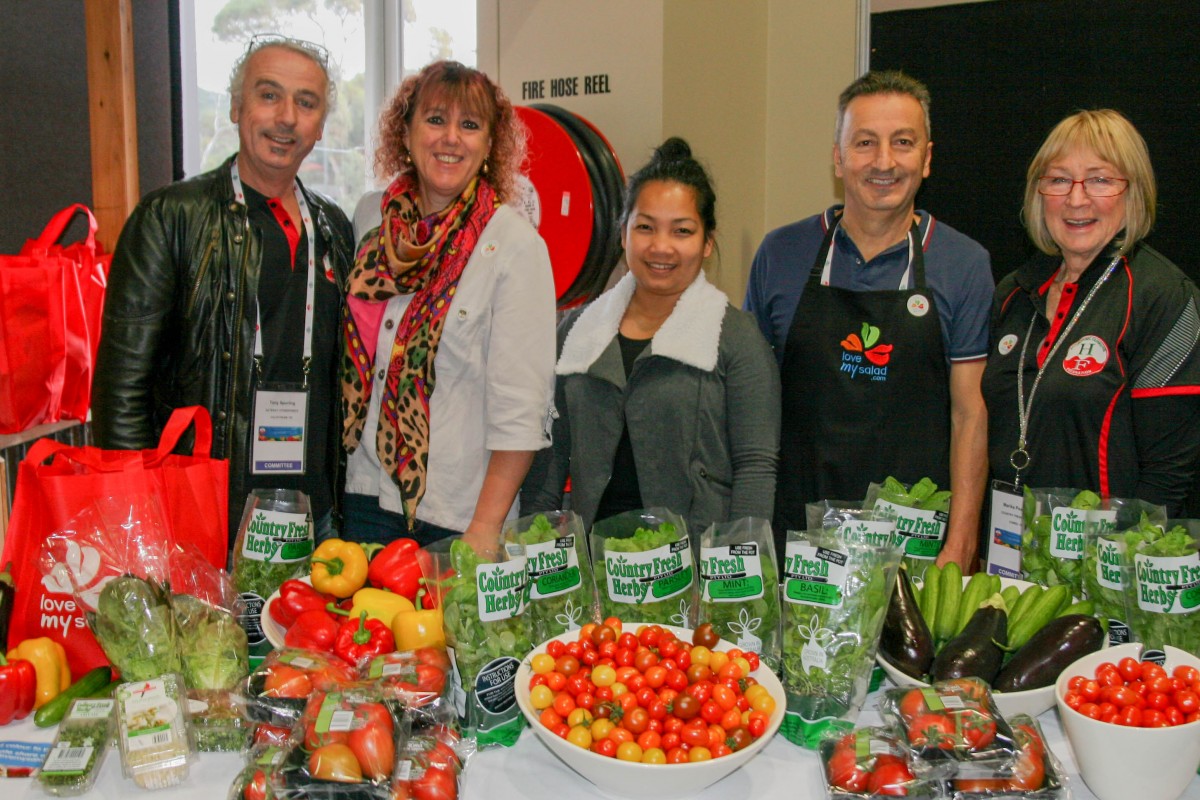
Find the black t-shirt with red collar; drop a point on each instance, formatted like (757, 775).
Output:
(1117, 409)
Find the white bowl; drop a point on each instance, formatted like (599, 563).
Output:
(1032, 701)
(631, 779)
(1117, 762)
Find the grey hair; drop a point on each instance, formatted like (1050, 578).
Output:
(310, 50)
(884, 82)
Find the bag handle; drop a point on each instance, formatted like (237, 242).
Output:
(59, 222)
(41, 451)
(182, 419)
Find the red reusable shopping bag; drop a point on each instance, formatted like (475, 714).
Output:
(51, 303)
(55, 482)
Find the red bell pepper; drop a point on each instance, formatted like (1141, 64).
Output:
(296, 597)
(398, 567)
(18, 689)
(315, 629)
(431, 590)
(363, 638)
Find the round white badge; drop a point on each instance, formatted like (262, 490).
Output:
(1007, 343)
(1086, 357)
(918, 305)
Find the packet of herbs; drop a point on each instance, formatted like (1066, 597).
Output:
(739, 586)
(836, 584)
(1035, 774)
(1161, 574)
(114, 556)
(278, 689)
(952, 728)
(562, 593)
(483, 599)
(921, 514)
(1103, 555)
(260, 760)
(152, 725)
(1052, 540)
(79, 748)
(644, 568)
(345, 747)
(870, 762)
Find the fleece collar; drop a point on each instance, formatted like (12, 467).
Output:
(690, 335)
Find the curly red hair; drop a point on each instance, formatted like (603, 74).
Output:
(454, 84)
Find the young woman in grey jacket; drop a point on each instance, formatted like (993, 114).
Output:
(667, 395)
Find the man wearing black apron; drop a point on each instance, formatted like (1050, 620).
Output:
(879, 317)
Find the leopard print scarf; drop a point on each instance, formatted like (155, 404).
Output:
(424, 257)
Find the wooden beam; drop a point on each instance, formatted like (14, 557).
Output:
(112, 106)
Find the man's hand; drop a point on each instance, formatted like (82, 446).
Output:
(968, 465)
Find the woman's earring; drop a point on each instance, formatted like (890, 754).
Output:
(484, 169)
(407, 158)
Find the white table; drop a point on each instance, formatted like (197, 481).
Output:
(528, 771)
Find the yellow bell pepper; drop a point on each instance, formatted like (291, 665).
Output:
(379, 604)
(416, 629)
(49, 662)
(339, 567)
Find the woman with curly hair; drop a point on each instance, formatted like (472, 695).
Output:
(449, 334)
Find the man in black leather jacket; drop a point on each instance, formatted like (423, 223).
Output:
(203, 263)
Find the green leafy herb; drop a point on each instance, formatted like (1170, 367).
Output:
(1052, 549)
(629, 587)
(562, 593)
(739, 584)
(1162, 585)
(79, 748)
(924, 533)
(213, 646)
(134, 624)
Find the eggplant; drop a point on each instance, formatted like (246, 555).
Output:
(1048, 652)
(905, 641)
(979, 650)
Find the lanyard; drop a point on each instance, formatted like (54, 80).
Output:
(1019, 458)
(912, 239)
(310, 289)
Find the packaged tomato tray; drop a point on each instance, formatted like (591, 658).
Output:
(344, 748)
(430, 764)
(251, 782)
(871, 762)
(1035, 774)
(278, 690)
(952, 728)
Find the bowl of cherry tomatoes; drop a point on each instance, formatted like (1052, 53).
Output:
(651, 711)
(1133, 725)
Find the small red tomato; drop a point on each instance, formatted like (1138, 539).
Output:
(845, 772)
(890, 779)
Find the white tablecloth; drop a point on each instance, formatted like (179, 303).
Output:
(528, 771)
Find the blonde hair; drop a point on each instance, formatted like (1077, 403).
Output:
(1113, 138)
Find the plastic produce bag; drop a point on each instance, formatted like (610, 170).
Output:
(1035, 775)
(921, 514)
(739, 586)
(870, 762)
(1103, 555)
(837, 581)
(278, 689)
(562, 592)
(1053, 538)
(152, 720)
(645, 568)
(1161, 574)
(483, 600)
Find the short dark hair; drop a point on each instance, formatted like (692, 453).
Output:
(883, 82)
(672, 162)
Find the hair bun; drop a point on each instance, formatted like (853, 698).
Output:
(673, 149)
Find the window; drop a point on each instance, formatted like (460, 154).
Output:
(367, 41)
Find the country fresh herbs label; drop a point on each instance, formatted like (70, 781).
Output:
(553, 567)
(1109, 555)
(1168, 585)
(814, 576)
(649, 576)
(1102, 520)
(277, 536)
(1066, 532)
(878, 532)
(731, 574)
(922, 531)
(501, 589)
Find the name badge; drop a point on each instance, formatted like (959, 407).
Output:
(280, 429)
(1004, 525)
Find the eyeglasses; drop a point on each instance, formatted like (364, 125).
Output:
(317, 51)
(1095, 186)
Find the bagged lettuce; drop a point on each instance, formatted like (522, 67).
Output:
(1161, 573)
(562, 593)
(739, 586)
(921, 514)
(644, 568)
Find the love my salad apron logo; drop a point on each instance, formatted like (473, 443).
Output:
(651, 575)
(863, 356)
(1086, 357)
(78, 571)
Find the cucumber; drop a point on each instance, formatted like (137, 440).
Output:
(1041, 611)
(1010, 594)
(1023, 604)
(948, 602)
(930, 592)
(1085, 607)
(52, 712)
(975, 593)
